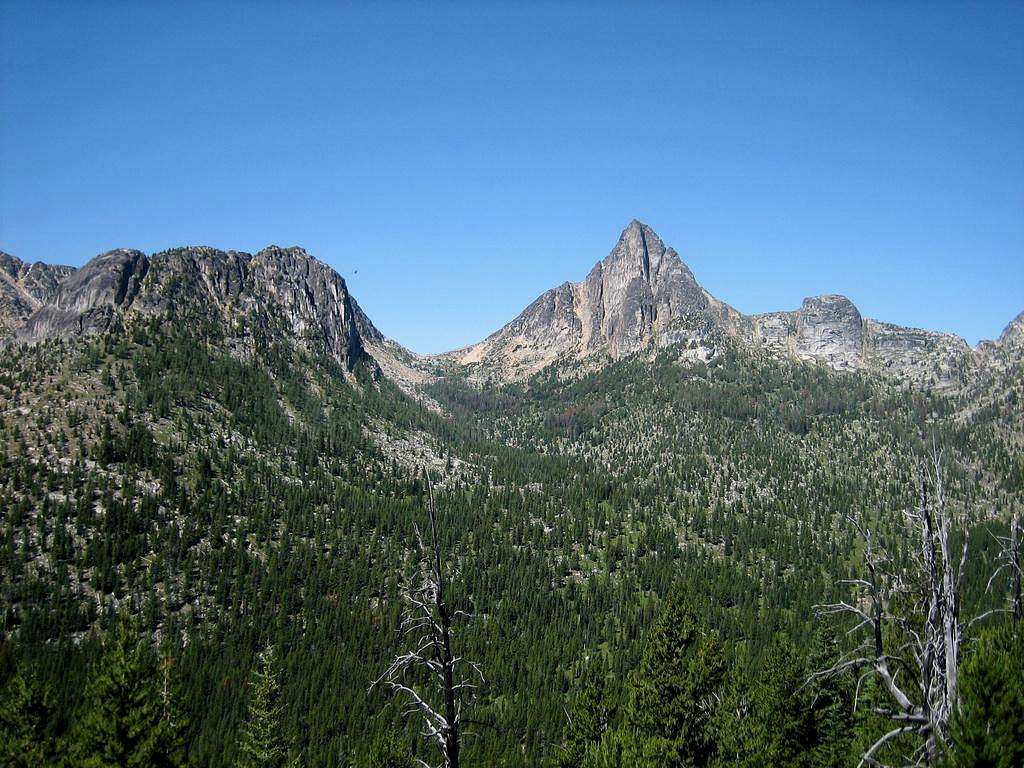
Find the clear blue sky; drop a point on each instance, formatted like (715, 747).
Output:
(454, 160)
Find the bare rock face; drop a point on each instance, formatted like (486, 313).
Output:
(87, 300)
(640, 285)
(629, 300)
(642, 294)
(1013, 335)
(925, 357)
(829, 329)
(276, 293)
(1006, 352)
(26, 287)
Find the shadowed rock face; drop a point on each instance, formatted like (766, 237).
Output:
(281, 291)
(26, 287)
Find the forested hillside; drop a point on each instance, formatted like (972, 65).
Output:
(208, 505)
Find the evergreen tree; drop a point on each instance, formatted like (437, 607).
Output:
(390, 752)
(125, 720)
(770, 721)
(262, 744)
(676, 686)
(589, 719)
(988, 728)
(171, 749)
(25, 712)
(831, 700)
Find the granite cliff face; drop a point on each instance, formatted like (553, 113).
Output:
(830, 330)
(278, 292)
(643, 295)
(1012, 336)
(630, 298)
(26, 287)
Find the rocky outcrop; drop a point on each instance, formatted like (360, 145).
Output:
(87, 300)
(276, 293)
(1012, 336)
(924, 357)
(642, 294)
(26, 287)
(830, 330)
(630, 299)
(1007, 352)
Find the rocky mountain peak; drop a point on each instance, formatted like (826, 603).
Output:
(1013, 334)
(280, 291)
(642, 294)
(633, 250)
(629, 297)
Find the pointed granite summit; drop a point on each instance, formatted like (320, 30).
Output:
(630, 297)
(643, 295)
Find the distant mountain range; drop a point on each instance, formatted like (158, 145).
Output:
(641, 296)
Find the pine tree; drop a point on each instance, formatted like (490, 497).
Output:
(589, 719)
(676, 685)
(988, 728)
(124, 720)
(769, 720)
(169, 739)
(25, 713)
(832, 698)
(390, 752)
(262, 744)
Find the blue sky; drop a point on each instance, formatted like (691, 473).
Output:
(454, 160)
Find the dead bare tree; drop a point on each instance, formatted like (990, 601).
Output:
(433, 681)
(910, 622)
(1009, 560)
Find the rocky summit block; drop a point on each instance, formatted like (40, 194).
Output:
(279, 291)
(26, 287)
(630, 298)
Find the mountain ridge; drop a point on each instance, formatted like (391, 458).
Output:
(282, 287)
(669, 306)
(641, 295)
